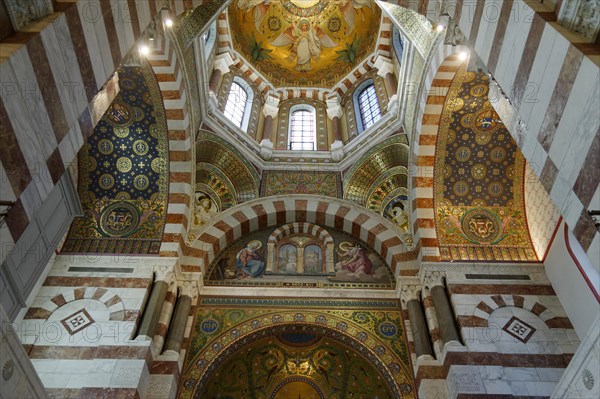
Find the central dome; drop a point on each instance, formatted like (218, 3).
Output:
(312, 43)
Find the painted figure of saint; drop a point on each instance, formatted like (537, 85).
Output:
(248, 262)
(355, 259)
(306, 39)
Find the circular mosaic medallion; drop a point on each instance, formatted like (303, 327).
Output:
(447, 171)
(138, 114)
(127, 84)
(119, 115)
(119, 219)
(141, 182)
(483, 138)
(209, 326)
(469, 76)
(455, 104)
(481, 226)
(451, 136)
(479, 90)
(140, 147)
(461, 188)
(106, 181)
(157, 165)
(121, 132)
(495, 189)
(498, 154)
(123, 196)
(588, 379)
(388, 330)
(478, 171)
(154, 131)
(90, 164)
(124, 164)
(486, 121)
(463, 154)
(466, 120)
(105, 147)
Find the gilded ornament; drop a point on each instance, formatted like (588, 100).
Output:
(124, 164)
(106, 181)
(141, 182)
(140, 147)
(105, 147)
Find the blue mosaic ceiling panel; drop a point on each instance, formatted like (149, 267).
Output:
(123, 173)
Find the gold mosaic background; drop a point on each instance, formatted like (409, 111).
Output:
(478, 186)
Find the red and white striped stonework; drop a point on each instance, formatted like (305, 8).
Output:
(170, 74)
(56, 84)
(379, 233)
(295, 228)
(441, 72)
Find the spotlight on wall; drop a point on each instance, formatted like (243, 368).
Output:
(168, 22)
(463, 55)
(439, 27)
(144, 50)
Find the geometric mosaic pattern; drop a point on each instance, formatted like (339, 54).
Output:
(77, 321)
(519, 329)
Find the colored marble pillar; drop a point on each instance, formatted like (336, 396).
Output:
(153, 309)
(385, 69)
(410, 299)
(220, 68)
(335, 113)
(187, 292)
(447, 325)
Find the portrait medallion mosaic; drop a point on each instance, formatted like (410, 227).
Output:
(479, 179)
(326, 348)
(123, 173)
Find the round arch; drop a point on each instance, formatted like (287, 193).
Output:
(397, 374)
(379, 233)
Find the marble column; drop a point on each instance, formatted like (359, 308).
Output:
(187, 292)
(220, 68)
(448, 329)
(385, 69)
(335, 113)
(270, 111)
(162, 278)
(410, 298)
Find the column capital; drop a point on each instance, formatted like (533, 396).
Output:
(410, 292)
(433, 279)
(271, 107)
(384, 66)
(334, 107)
(188, 288)
(163, 273)
(223, 62)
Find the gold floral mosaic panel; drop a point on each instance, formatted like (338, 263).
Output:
(478, 183)
(224, 328)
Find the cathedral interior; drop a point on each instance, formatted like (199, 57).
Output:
(299, 199)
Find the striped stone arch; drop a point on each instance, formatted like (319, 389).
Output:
(441, 72)
(378, 232)
(165, 61)
(485, 308)
(307, 228)
(112, 301)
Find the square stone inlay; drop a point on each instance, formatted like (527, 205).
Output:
(519, 329)
(77, 321)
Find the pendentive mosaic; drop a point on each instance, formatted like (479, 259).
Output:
(123, 173)
(221, 333)
(478, 183)
(278, 182)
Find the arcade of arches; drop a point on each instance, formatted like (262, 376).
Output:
(299, 199)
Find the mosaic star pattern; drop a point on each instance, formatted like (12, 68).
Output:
(123, 173)
(479, 172)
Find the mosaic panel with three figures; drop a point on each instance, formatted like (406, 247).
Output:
(123, 170)
(479, 202)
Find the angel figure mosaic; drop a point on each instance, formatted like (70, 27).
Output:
(306, 39)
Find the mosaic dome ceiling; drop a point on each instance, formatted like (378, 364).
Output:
(304, 42)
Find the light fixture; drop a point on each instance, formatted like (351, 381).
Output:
(144, 50)
(463, 55)
(439, 27)
(168, 22)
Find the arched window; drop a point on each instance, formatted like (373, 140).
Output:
(366, 105)
(303, 128)
(239, 103)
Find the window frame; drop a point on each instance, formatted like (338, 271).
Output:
(360, 123)
(243, 125)
(299, 108)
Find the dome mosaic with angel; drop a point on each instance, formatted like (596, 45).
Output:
(306, 39)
